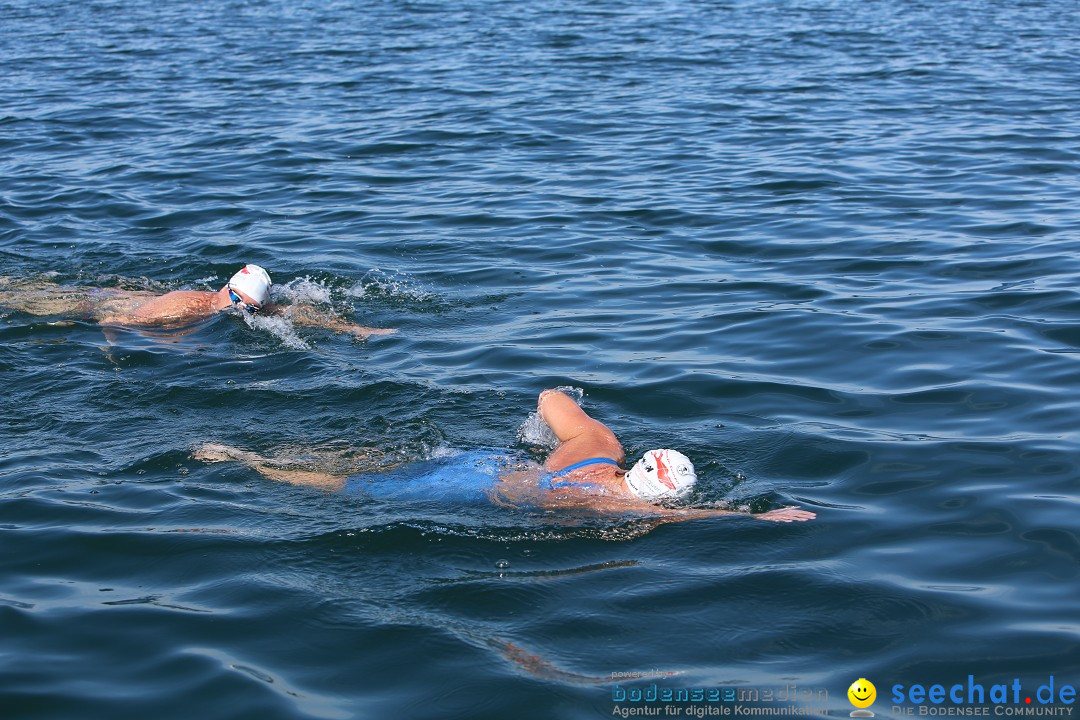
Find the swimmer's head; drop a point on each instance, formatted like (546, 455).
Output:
(253, 281)
(661, 474)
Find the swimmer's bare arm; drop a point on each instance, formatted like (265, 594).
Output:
(140, 308)
(579, 435)
(788, 514)
(307, 315)
(661, 515)
(565, 418)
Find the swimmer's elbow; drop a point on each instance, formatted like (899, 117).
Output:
(565, 418)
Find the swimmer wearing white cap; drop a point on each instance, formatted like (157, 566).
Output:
(586, 468)
(246, 292)
(583, 472)
(249, 288)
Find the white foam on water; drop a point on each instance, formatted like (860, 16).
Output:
(534, 431)
(314, 292)
(576, 394)
(380, 283)
(442, 451)
(302, 290)
(279, 327)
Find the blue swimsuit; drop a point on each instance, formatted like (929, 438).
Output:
(576, 466)
(463, 477)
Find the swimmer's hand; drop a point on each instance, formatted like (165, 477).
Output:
(788, 514)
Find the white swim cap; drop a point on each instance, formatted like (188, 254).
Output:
(253, 281)
(661, 474)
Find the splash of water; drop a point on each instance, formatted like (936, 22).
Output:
(302, 290)
(534, 431)
(378, 283)
(279, 327)
(298, 291)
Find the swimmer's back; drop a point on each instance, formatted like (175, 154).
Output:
(464, 477)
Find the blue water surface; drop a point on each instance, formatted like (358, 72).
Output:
(827, 248)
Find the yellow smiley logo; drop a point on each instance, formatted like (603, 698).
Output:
(862, 693)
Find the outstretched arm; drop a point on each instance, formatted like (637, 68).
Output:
(661, 515)
(307, 315)
(780, 515)
(788, 514)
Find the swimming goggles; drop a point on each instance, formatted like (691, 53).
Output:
(237, 300)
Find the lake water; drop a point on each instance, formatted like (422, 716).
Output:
(827, 248)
